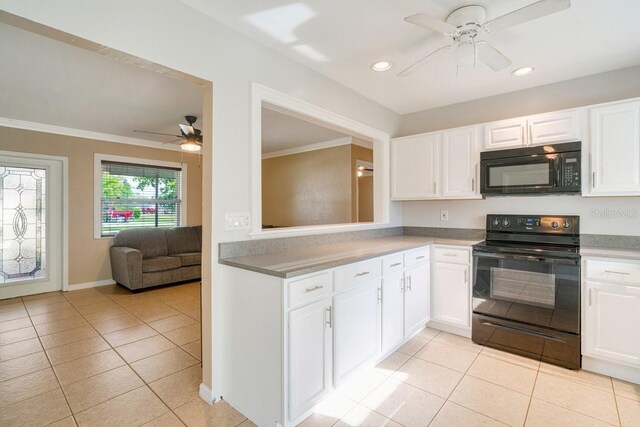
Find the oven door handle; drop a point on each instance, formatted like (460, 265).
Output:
(523, 331)
(542, 259)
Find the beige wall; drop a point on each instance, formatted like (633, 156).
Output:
(89, 257)
(366, 185)
(307, 188)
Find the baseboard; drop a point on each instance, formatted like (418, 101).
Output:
(87, 285)
(456, 330)
(615, 370)
(207, 395)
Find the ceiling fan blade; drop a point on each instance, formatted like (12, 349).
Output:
(154, 133)
(492, 56)
(174, 141)
(533, 11)
(426, 21)
(187, 130)
(433, 55)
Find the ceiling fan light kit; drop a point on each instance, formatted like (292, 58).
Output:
(522, 71)
(190, 138)
(465, 27)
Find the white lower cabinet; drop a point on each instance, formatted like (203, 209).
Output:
(612, 326)
(451, 288)
(310, 356)
(392, 311)
(416, 298)
(356, 329)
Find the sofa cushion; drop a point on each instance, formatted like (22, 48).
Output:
(160, 263)
(189, 258)
(182, 240)
(152, 242)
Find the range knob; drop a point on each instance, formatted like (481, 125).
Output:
(555, 224)
(496, 222)
(567, 223)
(506, 222)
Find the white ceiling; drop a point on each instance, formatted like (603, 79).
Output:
(47, 81)
(341, 39)
(282, 131)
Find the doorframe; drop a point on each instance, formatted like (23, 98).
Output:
(64, 163)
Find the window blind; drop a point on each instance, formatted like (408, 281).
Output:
(139, 196)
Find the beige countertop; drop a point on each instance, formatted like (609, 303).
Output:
(321, 257)
(601, 251)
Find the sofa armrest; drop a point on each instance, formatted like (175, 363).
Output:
(126, 266)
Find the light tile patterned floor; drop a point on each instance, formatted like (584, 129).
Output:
(106, 356)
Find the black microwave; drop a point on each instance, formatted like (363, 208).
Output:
(545, 169)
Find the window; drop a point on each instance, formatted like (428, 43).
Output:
(133, 195)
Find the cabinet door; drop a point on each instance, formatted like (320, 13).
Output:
(615, 149)
(612, 327)
(460, 158)
(505, 134)
(553, 127)
(413, 167)
(450, 294)
(356, 331)
(416, 298)
(309, 356)
(392, 311)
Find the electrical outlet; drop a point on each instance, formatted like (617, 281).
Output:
(444, 215)
(237, 220)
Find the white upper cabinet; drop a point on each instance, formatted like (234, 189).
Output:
(549, 128)
(552, 128)
(414, 167)
(505, 134)
(615, 149)
(460, 158)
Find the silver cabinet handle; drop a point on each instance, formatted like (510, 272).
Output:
(380, 295)
(435, 188)
(328, 317)
(466, 276)
(420, 257)
(624, 273)
(593, 180)
(364, 273)
(448, 254)
(314, 288)
(590, 296)
(395, 264)
(409, 283)
(402, 285)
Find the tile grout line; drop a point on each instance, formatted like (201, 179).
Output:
(55, 374)
(535, 382)
(615, 400)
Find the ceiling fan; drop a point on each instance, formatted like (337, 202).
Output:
(190, 138)
(465, 25)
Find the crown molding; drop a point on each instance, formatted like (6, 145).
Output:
(78, 133)
(318, 146)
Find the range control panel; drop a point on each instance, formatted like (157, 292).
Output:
(562, 224)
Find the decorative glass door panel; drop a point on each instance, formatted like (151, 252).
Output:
(23, 218)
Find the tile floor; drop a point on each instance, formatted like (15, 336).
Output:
(106, 356)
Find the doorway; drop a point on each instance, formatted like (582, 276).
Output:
(33, 232)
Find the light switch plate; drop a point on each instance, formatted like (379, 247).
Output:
(237, 220)
(444, 215)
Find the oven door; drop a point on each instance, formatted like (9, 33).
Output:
(532, 174)
(533, 290)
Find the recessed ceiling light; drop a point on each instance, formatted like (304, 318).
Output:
(522, 71)
(381, 66)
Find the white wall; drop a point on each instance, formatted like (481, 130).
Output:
(610, 215)
(169, 33)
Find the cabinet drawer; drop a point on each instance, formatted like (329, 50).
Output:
(356, 274)
(416, 256)
(613, 271)
(392, 263)
(309, 288)
(456, 256)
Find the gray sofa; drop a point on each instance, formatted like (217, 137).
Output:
(155, 256)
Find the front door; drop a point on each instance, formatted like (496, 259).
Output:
(31, 219)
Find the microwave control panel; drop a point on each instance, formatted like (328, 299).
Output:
(571, 171)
